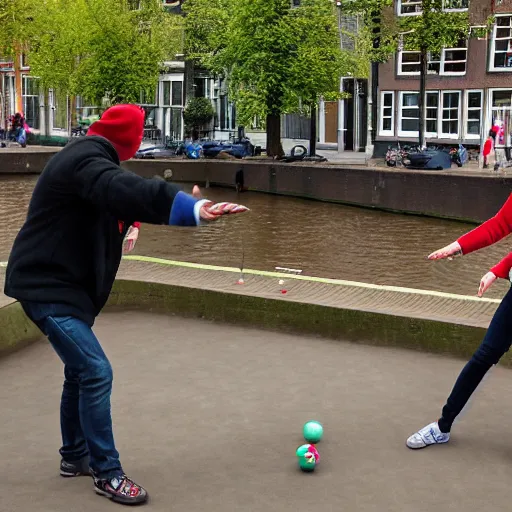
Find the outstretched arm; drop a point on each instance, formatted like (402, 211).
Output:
(488, 233)
(127, 196)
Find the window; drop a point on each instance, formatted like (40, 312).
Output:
(176, 93)
(408, 114)
(501, 45)
(172, 93)
(501, 104)
(409, 63)
(30, 88)
(455, 5)
(452, 61)
(413, 7)
(474, 104)
(24, 61)
(148, 97)
(387, 114)
(431, 113)
(202, 87)
(450, 113)
(408, 7)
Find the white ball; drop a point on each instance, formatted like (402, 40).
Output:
(281, 281)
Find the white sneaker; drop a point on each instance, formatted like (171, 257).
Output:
(426, 436)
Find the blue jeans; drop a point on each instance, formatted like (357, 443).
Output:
(496, 342)
(86, 422)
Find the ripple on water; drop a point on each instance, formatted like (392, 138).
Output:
(323, 239)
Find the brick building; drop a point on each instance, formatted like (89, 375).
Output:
(469, 88)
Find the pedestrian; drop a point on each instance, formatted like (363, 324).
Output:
(62, 268)
(488, 147)
(498, 337)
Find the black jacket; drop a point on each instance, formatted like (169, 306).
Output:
(68, 251)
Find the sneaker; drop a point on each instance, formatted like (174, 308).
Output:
(426, 436)
(75, 468)
(121, 489)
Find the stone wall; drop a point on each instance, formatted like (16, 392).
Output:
(459, 196)
(438, 194)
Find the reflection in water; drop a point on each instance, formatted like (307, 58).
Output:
(323, 239)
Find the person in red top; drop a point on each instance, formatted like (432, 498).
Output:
(487, 149)
(498, 338)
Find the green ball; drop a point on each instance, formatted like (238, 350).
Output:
(313, 432)
(306, 464)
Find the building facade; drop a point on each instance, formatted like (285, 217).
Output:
(468, 88)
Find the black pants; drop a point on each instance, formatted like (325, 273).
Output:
(496, 342)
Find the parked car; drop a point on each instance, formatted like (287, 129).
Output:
(156, 151)
(238, 149)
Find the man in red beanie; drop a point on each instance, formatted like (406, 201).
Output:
(62, 268)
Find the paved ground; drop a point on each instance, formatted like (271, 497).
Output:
(208, 417)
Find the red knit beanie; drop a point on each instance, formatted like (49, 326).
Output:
(122, 126)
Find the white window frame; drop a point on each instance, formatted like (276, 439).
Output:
(402, 133)
(399, 8)
(441, 134)
(387, 133)
(418, 13)
(493, 46)
(172, 77)
(441, 61)
(466, 111)
(489, 110)
(399, 71)
(442, 71)
(455, 9)
(432, 135)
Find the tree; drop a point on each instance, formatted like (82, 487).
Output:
(277, 59)
(198, 112)
(14, 17)
(101, 49)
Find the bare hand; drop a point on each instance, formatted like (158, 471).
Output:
(130, 240)
(486, 283)
(210, 211)
(450, 251)
(203, 212)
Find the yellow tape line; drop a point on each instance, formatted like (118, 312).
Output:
(324, 280)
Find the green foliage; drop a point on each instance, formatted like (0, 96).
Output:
(434, 29)
(100, 48)
(199, 111)
(379, 24)
(278, 59)
(14, 16)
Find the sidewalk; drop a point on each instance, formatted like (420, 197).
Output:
(208, 417)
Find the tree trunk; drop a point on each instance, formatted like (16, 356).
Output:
(47, 113)
(421, 99)
(274, 148)
(312, 135)
(375, 75)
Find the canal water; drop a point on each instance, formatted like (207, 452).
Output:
(322, 239)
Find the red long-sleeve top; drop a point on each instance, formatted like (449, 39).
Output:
(487, 147)
(490, 232)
